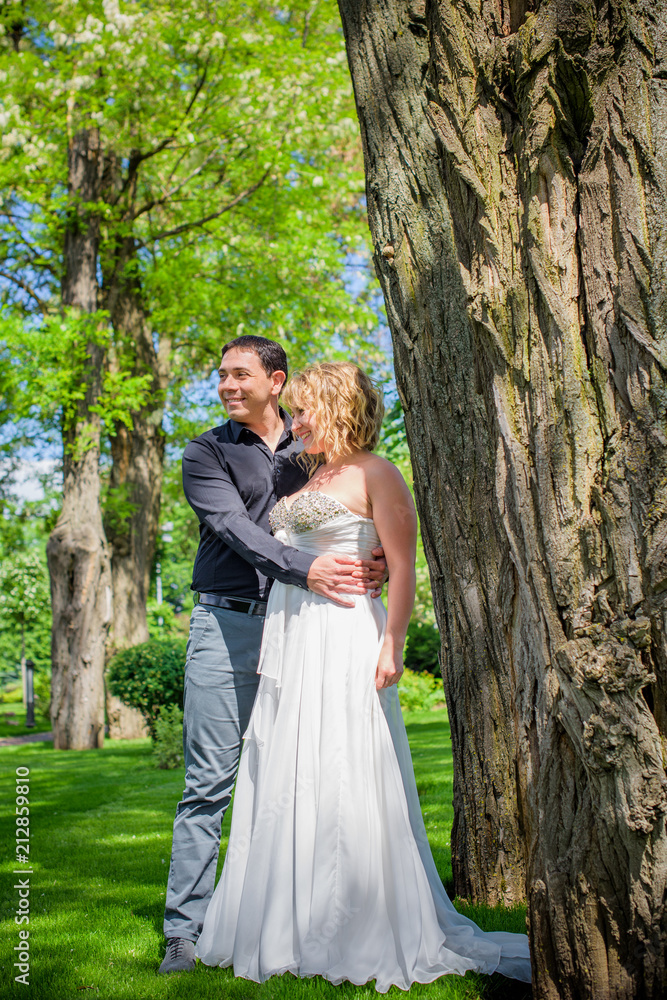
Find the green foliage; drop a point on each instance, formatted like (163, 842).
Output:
(25, 524)
(45, 364)
(163, 623)
(149, 676)
(122, 394)
(177, 547)
(422, 647)
(168, 747)
(423, 610)
(394, 442)
(419, 691)
(25, 604)
(118, 508)
(394, 446)
(25, 613)
(233, 191)
(42, 689)
(13, 694)
(23, 588)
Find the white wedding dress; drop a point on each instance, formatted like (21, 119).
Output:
(328, 870)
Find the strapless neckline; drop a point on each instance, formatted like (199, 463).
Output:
(311, 510)
(327, 496)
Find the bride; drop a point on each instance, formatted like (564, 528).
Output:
(328, 870)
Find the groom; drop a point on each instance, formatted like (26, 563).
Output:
(232, 477)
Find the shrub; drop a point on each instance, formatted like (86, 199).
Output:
(149, 677)
(13, 693)
(42, 691)
(422, 647)
(163, 622)
(419, 691)
(168, 748)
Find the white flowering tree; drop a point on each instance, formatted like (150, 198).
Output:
(170, 174)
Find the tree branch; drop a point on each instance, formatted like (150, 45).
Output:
(138, 158)
(198, 86)
(306, 22)
(214, 215)
(170, 194)
(23, 255)
(8, 276)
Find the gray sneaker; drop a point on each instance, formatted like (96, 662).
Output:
(180, 956)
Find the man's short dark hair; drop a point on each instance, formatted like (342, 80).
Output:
(269, 352)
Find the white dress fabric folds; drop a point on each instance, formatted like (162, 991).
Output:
(328, 870)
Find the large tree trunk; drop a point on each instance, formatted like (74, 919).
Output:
(77, 552)
(517, 198)
(136, 473)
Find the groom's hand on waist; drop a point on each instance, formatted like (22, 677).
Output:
(378, 574)
(333, 575)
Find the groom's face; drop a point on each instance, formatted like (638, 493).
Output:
(245, 389)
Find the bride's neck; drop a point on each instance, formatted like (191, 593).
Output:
(339, 461)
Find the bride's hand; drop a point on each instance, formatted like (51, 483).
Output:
(389, 668)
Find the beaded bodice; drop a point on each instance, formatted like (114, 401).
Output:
(317, 523)
(310, 510)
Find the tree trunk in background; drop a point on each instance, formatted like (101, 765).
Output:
(517, 190)
(136, 475)
(77, 552)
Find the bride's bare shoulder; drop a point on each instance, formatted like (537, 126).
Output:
(380, 470)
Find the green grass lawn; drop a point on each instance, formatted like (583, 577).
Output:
(100, 838)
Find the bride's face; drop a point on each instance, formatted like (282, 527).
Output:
(304, 425)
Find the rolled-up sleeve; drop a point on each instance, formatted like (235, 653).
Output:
(215, 500)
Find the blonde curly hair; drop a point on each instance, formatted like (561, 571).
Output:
(346, 404)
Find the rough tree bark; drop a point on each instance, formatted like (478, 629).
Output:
(77, 553)
(517, 198)
(136, 472)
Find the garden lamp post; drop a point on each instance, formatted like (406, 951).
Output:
(165, 530)
(30, 694)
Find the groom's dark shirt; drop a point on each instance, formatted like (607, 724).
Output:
(232, 480)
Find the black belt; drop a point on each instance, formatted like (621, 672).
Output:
(241, 604)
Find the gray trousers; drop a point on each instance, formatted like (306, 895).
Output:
(220, 685)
